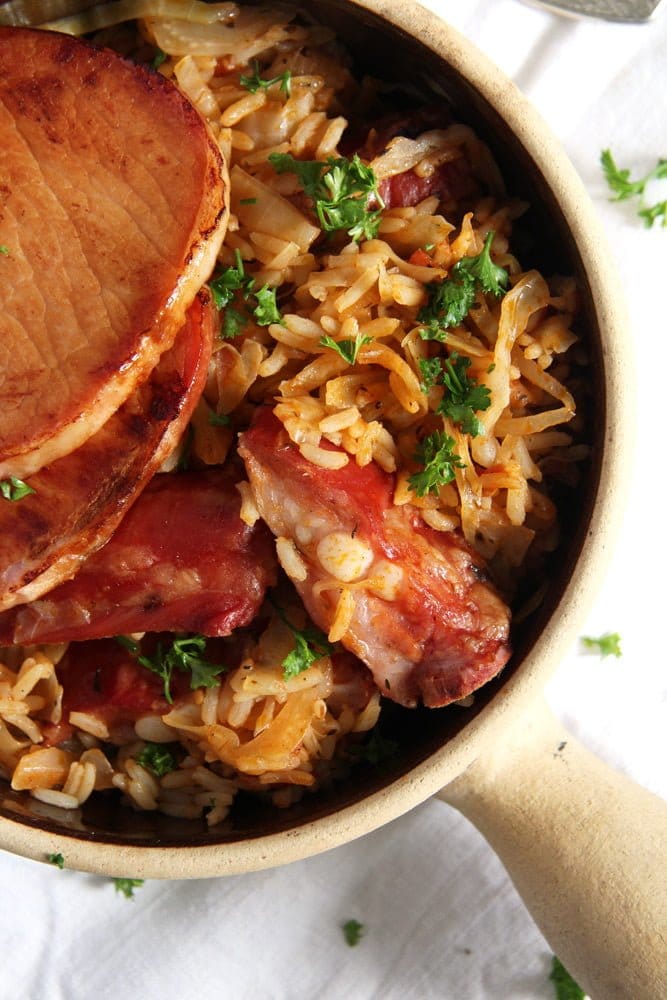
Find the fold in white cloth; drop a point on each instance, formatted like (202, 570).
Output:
(441, 918)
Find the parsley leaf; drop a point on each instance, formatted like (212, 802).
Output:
(450, 301)
(376, 748)
(266, 311)
(353, 932)
(127, 886)
(184, 655)
(226, 283)
(158, 758)
(488, 276)
(127, 643)
(653, 214)
(14, 489)
(619, 180)
(301, 658)
(464, 395)
(341, 191)
(219, 419)
(204, 674)
(624, 188)
(439, 461)
(224, 287)
(347, 348)
(606, 645)
(57, 860)
(4, 250)
(431, 369)
(564, 984)
(310, 645)
(232, 323)
(255, 82)
(158, 58)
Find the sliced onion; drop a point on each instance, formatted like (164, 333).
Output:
(529, 295)
(245, 35)
(403, 154)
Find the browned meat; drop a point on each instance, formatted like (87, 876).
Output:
(426, 621)
(181, 560)
(451, 181)
(80, 499)
(112, 208)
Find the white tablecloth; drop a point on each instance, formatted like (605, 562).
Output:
(441, 918)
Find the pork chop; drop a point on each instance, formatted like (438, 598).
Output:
(112, 211)
(80, 499)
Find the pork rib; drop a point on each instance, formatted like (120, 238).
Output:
(80, 499)
(112, 210)
(426, 620)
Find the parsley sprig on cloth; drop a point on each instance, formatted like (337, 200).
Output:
(624, 187)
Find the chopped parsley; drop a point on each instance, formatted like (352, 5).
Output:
(15, 489)
(226, 283)
(127, 643)
(564, 984)
(431, 369)
(266, 311)
(248, 201)
(341, 191)
(158, 758)
(233, 323)
(488, 276)
(450, 301)
(127, 886)
(653, 213)
(224, 287)
(624, 188)
(158, 58)
(310, 644)
(4, 250)
(353, 932)
(375, 749)
(219, 419)
(606, 645)
(464, 396)
(184, 654)
(255, 82)
(57, 860)
(439, 463)
(347, 348)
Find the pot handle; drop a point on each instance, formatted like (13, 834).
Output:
(585, 848)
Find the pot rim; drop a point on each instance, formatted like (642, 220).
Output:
(516, 694)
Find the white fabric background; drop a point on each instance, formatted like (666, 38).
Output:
(442, 920)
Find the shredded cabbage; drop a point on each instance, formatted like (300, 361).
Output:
(108, 14)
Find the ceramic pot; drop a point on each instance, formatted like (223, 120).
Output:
(582, 844)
